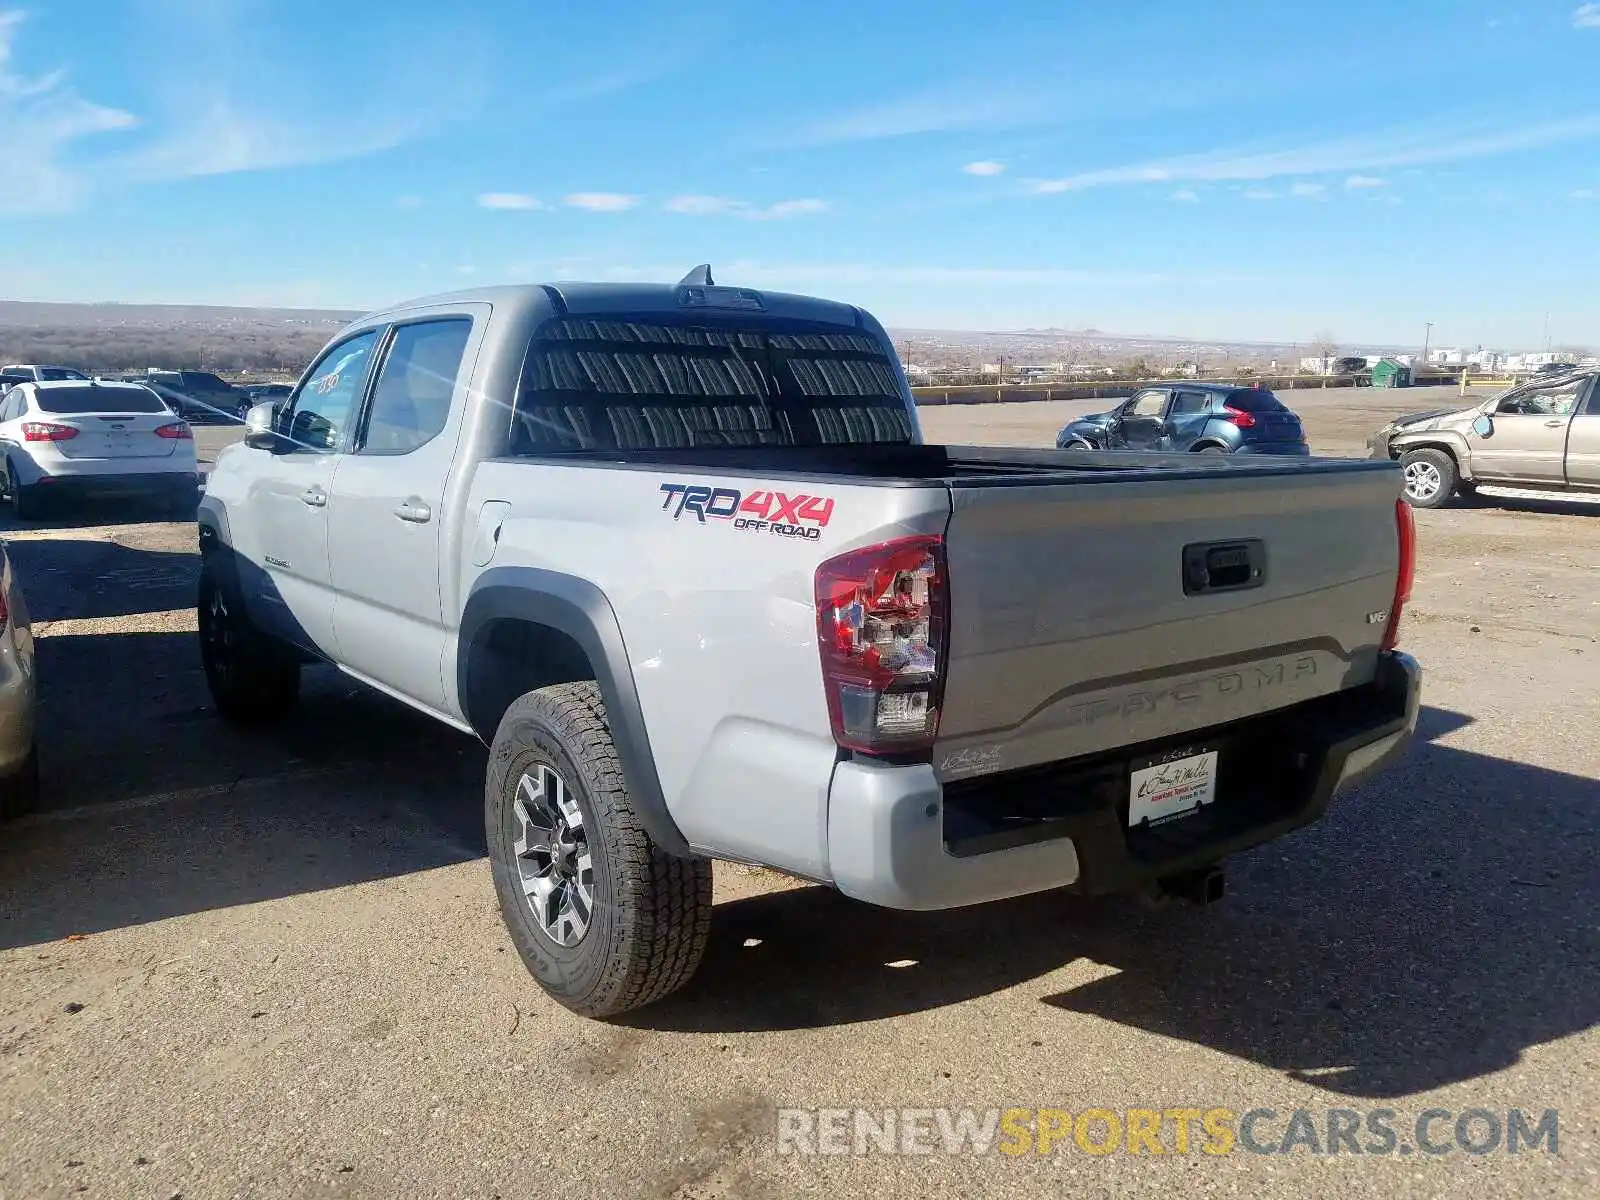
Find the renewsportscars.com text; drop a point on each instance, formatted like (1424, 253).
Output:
(1017, 1132)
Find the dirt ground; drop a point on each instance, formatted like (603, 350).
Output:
(271, 965)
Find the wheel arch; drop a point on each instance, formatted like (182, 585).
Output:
(1448, 443)
(525, 628)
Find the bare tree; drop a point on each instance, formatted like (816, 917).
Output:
(1324, 344)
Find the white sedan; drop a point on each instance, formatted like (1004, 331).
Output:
(85, 438)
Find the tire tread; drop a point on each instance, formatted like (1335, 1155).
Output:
(664, 900)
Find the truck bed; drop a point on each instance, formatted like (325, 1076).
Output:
(980, 466)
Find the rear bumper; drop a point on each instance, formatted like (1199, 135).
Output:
(174, 483)
(896, 838)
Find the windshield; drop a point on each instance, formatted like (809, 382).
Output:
(657, 383)
(73, 401)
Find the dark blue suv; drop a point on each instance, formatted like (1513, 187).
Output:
(1207, 418)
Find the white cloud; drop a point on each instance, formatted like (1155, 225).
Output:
(1586, 16)
(216, 135)
(1362, 153)
(409, 203)
(1186, 195)
(41, 118)
(723, 206)
(1309, 190)
(1583, 194)
(604, 202)
(1356, 182)
(1260, 194)
(984, 167)
(970, 105)
(512, 201)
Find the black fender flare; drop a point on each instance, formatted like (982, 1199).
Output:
(581, 611)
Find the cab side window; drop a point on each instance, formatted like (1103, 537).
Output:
(323, 408)
(1557, 400)
(1189, 404)
(411, 402)
(1148, 404)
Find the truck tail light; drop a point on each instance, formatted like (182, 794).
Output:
(881, 624)
(47, 431)
(178, 431)
(1239, 417)
(1406, 527)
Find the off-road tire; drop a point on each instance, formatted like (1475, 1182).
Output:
(1449, 476)
(255, 681)
(20, 790)
(651, 911)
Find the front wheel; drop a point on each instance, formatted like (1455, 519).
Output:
(252, 680)
(603, 918)
(1430, 477)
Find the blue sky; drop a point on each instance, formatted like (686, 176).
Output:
(1217, 169)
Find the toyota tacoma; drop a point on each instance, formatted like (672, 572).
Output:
(681, 557)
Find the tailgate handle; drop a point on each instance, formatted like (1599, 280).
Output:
(1224, 566)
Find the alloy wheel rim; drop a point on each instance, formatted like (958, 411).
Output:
(219, 638)
(1423, 480)
(554, 868)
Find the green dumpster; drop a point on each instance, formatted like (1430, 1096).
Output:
(1389, 373)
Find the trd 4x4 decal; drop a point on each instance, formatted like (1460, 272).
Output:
(779, 513)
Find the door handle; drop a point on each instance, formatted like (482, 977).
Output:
(314, 496)
(415, 511)
(1554, 424)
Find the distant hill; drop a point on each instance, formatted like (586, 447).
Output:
(124, 337)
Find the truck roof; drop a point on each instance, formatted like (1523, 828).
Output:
(594, 298)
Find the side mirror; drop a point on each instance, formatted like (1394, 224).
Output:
(260, 432)
(1483, 426)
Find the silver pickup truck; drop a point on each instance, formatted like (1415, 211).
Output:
(680, 556)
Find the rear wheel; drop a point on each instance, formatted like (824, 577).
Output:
(25, 502)
(252, 679)
(1430, 477)
(1210, 450)
(603, 918)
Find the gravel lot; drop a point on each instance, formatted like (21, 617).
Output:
(271, 965)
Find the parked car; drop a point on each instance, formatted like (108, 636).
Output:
(205, 396)
(66, 439)
(41, 374)
(680, 556)
(19, 755)
(1206, 418)
(1542, 434)
(1558, 368)
(252, 394)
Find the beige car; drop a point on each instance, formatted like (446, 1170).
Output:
(19, 759)
(1543, 434)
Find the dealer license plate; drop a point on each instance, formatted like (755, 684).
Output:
(1165, 789)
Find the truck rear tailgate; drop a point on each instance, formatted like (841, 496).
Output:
(1126, 607)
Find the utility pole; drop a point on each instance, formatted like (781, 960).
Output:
(1547, 329)
(1427, 336)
